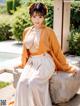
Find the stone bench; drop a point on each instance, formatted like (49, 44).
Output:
(63, 86)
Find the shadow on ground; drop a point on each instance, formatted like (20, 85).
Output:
(17, 44)
(75, 101)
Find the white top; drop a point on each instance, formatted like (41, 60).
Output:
(32, 39)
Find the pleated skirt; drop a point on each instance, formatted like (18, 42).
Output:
(33, 85)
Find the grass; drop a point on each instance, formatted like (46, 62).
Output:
(4, 84)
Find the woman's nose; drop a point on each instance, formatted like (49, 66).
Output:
(37, 21)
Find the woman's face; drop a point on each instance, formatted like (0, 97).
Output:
(37, 20)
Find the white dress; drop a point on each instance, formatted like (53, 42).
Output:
(33, 85)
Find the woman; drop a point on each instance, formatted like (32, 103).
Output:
(41, 56)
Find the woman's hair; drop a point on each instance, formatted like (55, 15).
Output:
(38, 8)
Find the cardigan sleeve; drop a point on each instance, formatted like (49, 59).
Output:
(24, 56)
(58, 54)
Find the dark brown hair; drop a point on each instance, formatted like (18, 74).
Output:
(38, 8)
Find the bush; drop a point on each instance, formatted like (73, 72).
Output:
(74, 43)
(49, 17)
(21, 20)
(24, 2)
(5, 28)
(3, 9)
(16, 3)
(9, 6)
(75, 15)
(12, 5)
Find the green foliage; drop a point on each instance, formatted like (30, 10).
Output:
(5, 28)
(16, 3)
(12, 5)
(48, 2)
(25, 1)
(21, 20)
(75, 15)
(3, 9)
(9, 6)
(74, 39)
(74, 43)
(49, 17)
(4, 84)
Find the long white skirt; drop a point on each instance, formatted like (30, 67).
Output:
(33, 85)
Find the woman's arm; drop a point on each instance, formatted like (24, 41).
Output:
(24, 56)
(60, 58)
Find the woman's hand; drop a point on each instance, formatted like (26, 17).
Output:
(18, 69)
(15, 67)
(75, 70)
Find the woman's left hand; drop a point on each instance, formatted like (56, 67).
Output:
(75, 70)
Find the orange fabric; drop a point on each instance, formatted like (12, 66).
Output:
(48, 43)
(11, 103)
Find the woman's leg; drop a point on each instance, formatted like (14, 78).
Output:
(21, 97)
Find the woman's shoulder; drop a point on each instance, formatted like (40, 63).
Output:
(49, 29)
(26, 29)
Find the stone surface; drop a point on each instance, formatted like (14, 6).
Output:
(7, 94)
(63, 86)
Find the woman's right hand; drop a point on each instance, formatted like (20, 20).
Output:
(18, 69)
(15, 67)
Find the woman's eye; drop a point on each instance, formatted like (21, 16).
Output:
(34, 16)
(40, 16)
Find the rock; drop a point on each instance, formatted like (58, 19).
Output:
(63, 86)
(16, 76)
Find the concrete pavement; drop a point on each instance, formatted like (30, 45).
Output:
(10, 52)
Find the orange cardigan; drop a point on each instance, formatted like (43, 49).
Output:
(50, 44)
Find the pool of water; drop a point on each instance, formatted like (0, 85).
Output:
(4, 56)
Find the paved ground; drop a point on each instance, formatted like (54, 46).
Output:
(13, 48)
(8, 92)
(10, 46)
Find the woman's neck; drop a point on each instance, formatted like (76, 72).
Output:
(38, 28)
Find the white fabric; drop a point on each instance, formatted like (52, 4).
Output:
(32, 39)
(33, 85)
